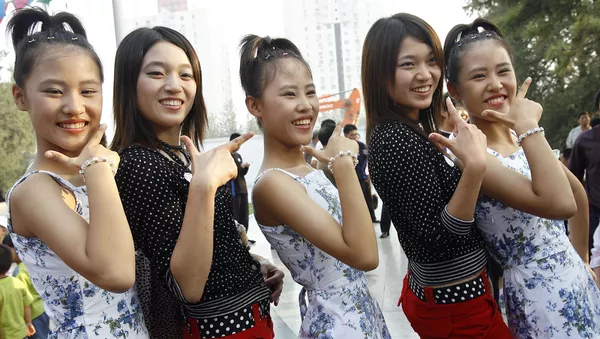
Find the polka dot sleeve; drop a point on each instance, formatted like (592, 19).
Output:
(416, 183)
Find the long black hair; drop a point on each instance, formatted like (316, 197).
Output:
(379, 61)
(130, 126)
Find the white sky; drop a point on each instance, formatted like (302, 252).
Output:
(263, 17)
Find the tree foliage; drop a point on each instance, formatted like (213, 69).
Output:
(556, 42)
(17, 139)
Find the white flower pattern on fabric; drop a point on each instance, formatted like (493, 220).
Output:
(339, 302)
(549, 292)
(77, 308)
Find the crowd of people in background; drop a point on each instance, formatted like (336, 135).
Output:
(146, 237)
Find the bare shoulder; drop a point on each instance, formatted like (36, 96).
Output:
(36, 187)
(270, 192)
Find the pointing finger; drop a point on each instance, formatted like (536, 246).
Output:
(454, 115)
(58, 157)
(442, 140)
(97, 136)
(235, 144)
(189, 145)
(524, 88)
(338, 128)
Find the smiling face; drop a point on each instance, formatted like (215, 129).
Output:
(289, 105)
(417, 75)
(486, 79)
(166, 87)
(63, 95)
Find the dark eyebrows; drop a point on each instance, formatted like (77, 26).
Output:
(52, 81)
(163, 65)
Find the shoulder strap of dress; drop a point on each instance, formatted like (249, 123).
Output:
(60, 180)
(295, 177)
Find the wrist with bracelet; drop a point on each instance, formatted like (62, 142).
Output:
(341, 154)
(524, 135)
(96, 160)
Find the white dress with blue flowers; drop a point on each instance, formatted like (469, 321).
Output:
(77, 308)
(549, 292)
(339, 302)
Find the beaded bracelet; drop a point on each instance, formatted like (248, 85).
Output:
(528, 133)
(96, 160)
(341, 154)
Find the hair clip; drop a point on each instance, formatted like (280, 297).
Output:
(50, 38)
(284, 53)
(268, 56)
(74, 38)
(273, 47)
(31, 41)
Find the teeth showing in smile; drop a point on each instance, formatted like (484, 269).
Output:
(302, 122)
(78, 125)
(423, 89)
(495, 100)
(173, 103)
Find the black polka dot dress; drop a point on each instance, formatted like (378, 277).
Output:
(154, 193)
(416, 181)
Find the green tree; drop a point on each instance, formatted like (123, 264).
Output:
(17, 139)
(556, 42)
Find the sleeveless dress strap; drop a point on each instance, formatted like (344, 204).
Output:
(60, 180)
(295, 177)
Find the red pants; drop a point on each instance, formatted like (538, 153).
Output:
(263, 328)
(476, 318)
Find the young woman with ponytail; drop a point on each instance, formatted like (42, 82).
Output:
(548, 287)
(65, 217)
(322, 234)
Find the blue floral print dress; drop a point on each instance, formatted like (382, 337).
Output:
(77, 308)
(548, 290)
(339, 302)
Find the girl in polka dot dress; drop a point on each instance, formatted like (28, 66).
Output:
(65, 218)
(430, 200)
(195, 275)
(548, 287)
(324, 236)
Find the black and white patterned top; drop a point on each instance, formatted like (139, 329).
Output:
(154, 193)
(416, 181)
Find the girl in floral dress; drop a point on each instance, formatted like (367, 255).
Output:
(549, 291)
(298, 209)
(65, 216)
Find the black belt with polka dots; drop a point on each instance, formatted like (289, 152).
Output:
(452, 294)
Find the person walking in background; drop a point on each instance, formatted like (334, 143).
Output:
(40, 319)
(386, 222)
(583, 119)
(585, 163)
(351, 132)
(15, 302)
(239, 189)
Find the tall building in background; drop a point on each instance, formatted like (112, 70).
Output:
(197, 24)
(173, 5)
(330, 34)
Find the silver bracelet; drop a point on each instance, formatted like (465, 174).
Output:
(341, 154)
(528, 133)
(96, 160)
